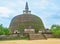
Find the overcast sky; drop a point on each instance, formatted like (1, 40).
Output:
(47, 10)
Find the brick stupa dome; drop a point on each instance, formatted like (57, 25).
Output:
(26, 21)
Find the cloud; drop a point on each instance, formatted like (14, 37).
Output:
(4, 12)
(55, 17)
(14, 3)
(45, 4)
(41, 4)
(46, 8)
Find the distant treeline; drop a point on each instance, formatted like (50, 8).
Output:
(55, 30)
(4, 30)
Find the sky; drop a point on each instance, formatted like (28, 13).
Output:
(47, 10)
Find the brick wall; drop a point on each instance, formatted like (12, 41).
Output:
(36, 36)
(49, 35)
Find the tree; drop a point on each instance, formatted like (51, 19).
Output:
(55, 29)
(4, 31)
(1, 30)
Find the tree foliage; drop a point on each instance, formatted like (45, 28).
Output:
(55, 29)
(4, 31)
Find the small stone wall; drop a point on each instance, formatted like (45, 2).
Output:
(49, 35)
(36, 36)
(8, 36)
(32, 36)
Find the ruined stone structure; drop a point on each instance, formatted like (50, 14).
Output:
(37, 36)
(27, 23)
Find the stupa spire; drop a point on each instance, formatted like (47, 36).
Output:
(26, 11)
(26, 7)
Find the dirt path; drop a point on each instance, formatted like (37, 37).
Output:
(49, 41)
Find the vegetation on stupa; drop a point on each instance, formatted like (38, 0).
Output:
(20, 22)
(22, 26)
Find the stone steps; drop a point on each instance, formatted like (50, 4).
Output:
(36, 36)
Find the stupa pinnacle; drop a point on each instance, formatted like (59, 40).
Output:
(26, 11)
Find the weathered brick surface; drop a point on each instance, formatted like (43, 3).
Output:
(36, 36)
(49, 35)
